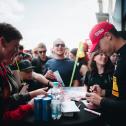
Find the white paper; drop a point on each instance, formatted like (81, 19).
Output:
(69, 106)
(58, 77)
(76, 93)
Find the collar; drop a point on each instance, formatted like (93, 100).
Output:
(122, 50)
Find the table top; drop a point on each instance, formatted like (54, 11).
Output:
(80, 118)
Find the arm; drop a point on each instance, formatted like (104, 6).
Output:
(41, 79)
(107, 104)
(18, 113)
(111, 104)
(83, 70)
(76, 83)
(17, 76)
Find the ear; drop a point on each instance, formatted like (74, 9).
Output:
(94, 59)
(108, 35)
(2, 42)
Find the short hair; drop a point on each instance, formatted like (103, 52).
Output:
(41, 45)
(115, 32)
(9, 32)
(57, 41)
(74, 51)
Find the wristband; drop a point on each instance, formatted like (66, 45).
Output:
(48, 84)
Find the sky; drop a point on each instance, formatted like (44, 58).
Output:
(47, 20)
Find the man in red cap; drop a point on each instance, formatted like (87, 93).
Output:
(106, 38)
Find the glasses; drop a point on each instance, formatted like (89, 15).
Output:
(36, 52)
(62, 45)
(42, 51)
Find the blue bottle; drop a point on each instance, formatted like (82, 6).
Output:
(46, 108)
(38, 108)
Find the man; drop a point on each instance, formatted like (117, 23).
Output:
(40, 61)
(105, 37)
(61, 64)
(33, 79)
(9, 43)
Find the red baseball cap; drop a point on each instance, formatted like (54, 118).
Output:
(97, 33)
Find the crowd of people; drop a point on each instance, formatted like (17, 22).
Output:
(25, 75)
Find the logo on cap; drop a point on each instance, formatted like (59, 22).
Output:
(99, 32)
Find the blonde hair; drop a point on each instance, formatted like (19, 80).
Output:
(41, 45)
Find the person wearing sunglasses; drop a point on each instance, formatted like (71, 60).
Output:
(61, 64)
(39, 62)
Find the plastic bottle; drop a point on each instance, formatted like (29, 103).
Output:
(59, 113)
(56, 101)
(54, 109)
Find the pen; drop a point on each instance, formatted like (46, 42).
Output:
(92, 111)
(79, 105)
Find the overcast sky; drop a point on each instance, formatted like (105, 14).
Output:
(47, 20)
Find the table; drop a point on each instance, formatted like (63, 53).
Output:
(82, 118)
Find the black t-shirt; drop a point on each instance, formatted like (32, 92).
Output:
(39, 65)
(103, 80)
(120, 72)
(33, 85)
(114, 108)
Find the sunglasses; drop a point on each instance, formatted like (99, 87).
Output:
(42, 51)
(36, 52)
(62, 45)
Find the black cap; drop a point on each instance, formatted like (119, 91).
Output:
(25, 65)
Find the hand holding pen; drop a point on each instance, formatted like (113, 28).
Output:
(50, 75)
(96, 89)
(93, 98)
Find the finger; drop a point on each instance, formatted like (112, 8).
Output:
(88, 94)
(52, 77)
(91, 89)
(45, 93)
(88, 99)
(46, 88)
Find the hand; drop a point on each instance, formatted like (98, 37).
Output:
(41, 91)
(49, 74)
(24, 89)
(50, 84)
(31, 102)
(93, 98)
(96, 89)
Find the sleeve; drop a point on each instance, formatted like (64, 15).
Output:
(18, 99)
(113, 104)
(77, 75)
(108, 87)
(34, 63)
(86, 79)
(18, 113)
(47, 66)
(1, 103)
